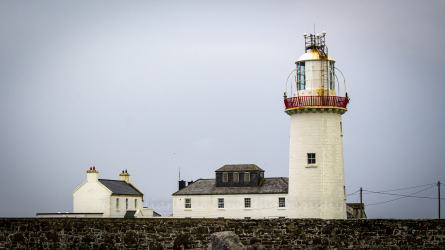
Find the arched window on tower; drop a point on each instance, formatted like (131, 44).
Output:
(301, 76)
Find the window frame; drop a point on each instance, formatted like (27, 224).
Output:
(188, 203)
(311, 158)
(301, 76)
(246, 177)
(247, 203)
(220, 203)
(281, 202)
(225, 177)
(237, 177)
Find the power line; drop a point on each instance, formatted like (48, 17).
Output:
(432, 184)
(402, 196)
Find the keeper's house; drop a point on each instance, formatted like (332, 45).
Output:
(238, 191)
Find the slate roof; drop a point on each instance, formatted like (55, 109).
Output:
(277, 185)
(120, 187)
(239, 167)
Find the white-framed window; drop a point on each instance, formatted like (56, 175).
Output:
(220, 202)
(225, 177)
(188, 203)
(311, 158)
(247, 177)
(117, 203)
(126, 204)
(135, 203)
(281, 202)
(331, 75)
(301, 76)
(247, 203)
(236, 177)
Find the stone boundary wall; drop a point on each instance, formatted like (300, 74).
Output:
(165, 233)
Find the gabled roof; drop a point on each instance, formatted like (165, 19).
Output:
(277, 185)
(239, 167)
(120, 187)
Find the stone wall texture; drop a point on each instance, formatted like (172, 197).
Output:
(165, 233)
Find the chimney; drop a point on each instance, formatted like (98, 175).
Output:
(124, 176)
(181, 184)
(92, 174)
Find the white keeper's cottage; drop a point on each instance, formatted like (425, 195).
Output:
(113, 198)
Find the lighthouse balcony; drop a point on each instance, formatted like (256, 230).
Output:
(303, 102)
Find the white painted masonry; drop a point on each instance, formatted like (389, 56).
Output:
(316, 190)
(93, 196)
(206, 206)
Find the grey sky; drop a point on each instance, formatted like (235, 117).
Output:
(151, 86)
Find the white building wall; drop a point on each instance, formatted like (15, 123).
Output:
(316, 191)
(92, 197)
(206, 206)
(120, 210)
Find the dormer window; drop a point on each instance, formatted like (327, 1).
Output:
(236, 177)
(247, 177)
(225, 177)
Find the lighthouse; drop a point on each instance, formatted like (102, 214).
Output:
(315, 107)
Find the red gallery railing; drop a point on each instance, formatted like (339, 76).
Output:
(310, 101)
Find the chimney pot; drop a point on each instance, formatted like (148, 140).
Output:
(94, 168)
(125, 171)
(91, 168)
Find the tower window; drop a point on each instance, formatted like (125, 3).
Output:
(236, 177)
(225, 177)
(331, 75)
(188, 203)
(135, 204)
(117, 203)
(301, 76)
(221, 203)
(246, 177)
(247, 202)
(311, 158)
(126, 204)
(281, 202)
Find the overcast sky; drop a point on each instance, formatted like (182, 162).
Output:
(154, 86)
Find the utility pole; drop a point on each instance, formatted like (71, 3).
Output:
(438, 188)
(361, 195)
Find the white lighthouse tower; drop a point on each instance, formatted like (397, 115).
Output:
(316, 171)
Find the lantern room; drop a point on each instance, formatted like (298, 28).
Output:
(314, 81)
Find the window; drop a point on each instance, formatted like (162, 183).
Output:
(281, 202)
(135, 203)
(225, 177)
(247, 202)
(188, 203)
(221, 203)
(246, 177)
(301, 76)
(126, 204)
(117, 203)
(311, 158)
(236, 177)
(331, 76)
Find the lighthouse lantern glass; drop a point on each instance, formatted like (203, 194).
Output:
(301, 76)
(331, 76)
